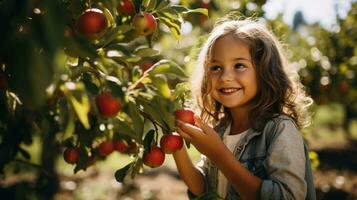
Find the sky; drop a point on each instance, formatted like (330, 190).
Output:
(322, 11)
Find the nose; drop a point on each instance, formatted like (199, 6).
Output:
(227, 75)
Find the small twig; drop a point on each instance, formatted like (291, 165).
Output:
(147, 116)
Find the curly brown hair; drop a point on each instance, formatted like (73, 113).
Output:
(279, 88)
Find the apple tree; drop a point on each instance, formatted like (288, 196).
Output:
(88, 78)
(327, 62)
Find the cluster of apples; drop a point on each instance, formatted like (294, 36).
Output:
(108, 106)
(105, 148)
(169, 143)
(93, 24)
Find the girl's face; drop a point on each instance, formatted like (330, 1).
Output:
(231, 73)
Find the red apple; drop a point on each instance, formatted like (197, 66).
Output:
(185, 115)
(105, 148)
(108, 106)
(92, 23)
(71, 155)
(121, 146)
(126, 7)
(144, 24)
(171, 143)
(154, 158)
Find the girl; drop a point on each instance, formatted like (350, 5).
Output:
(256, 105)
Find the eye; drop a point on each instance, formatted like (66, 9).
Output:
(215, 68)
(240, 67)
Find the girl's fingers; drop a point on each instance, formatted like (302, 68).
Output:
(183, 134)
(189, 129)
(205, 127)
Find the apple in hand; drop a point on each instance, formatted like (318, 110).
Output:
(105, 148)
(108, 106)
(144, 24)
(171, 143)
(185, 115)
(126, 7)
(154, 158)
(92, 23)
(71, 155)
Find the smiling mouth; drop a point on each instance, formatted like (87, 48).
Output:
(229, 90)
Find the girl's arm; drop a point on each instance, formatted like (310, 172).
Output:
(188, 172)
(207, 141)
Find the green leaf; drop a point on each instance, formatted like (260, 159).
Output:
(121, 47)
(83, 158)
(137, 119)
(79, 47)
(115, 86)
(181, 90)
(160, 82)
(70, 126)
(162, 5)
(167, 67)
(135, 73)
(153, 112)
(81, 108)
(145, 52)
(24, 153)
(121, 173)
(68, 142)
(148, 140)
(172, 23)
(166, 108)
(125, 128)
(151, 5)
(184, 10)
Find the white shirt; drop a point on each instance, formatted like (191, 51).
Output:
(230, 141)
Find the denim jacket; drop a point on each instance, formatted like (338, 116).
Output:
(277, 155)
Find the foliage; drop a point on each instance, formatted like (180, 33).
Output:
(56, 61)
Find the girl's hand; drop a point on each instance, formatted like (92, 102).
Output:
(202, 136)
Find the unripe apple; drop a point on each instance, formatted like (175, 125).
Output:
(185, 115)
(105, 148)
(71, 155)
(121, 146)
(92, 23)
(144, 24)
(154, 158)
(126, 7)
(171, 143)
(108, 106)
